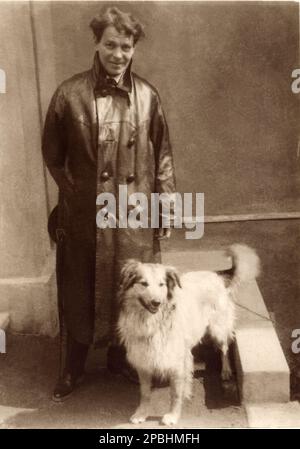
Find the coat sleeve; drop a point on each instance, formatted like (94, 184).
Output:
(165, 173)
(159, 134)
(54, 145)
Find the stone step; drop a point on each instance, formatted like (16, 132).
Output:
(262, 371)
(270, 415)
(196, 260)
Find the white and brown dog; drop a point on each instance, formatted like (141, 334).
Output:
(163, 316)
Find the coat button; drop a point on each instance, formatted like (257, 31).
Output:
(131, 142)
(104, 176)
(130, 178)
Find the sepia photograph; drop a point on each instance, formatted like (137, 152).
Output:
(149, 217)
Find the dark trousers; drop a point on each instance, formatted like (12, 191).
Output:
(73, 357)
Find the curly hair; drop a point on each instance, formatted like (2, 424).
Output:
(122, 21)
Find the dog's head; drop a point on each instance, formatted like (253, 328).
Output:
(150, 285)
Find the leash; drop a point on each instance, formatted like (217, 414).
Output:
(260, 315)
(255, 313)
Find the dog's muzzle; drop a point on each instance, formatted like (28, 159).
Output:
(152, 307)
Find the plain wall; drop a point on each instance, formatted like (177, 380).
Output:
(223, 70)
(24, 242)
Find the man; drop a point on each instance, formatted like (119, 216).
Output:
(104, 128)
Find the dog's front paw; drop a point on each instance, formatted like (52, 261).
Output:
(170, 419)
(139, 416)
(137, 419)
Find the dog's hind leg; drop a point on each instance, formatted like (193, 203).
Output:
(220, 330)
(226, 372)
(142, 412)
(177, 392)
(189, 372)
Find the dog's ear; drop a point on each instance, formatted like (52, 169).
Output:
(129, 274)
(172, 279)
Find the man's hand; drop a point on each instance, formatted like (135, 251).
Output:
(163, 233)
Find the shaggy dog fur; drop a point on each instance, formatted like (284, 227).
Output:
(163, 316)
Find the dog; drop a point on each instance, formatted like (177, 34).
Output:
(163, 316)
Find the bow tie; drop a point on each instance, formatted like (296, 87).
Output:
(109, 86)
(111, 82)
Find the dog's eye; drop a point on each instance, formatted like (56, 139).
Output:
(144, 283)
(162, 284)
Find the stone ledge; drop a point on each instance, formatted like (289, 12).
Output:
(31, 302)
(262, 371)
(196, 260)
(4, 320)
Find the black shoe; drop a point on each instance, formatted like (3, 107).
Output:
(65, 387)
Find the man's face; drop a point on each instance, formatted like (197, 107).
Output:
(115, 51)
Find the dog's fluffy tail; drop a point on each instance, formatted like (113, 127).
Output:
(245, 264)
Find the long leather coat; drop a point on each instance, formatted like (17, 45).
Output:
(134, 150)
